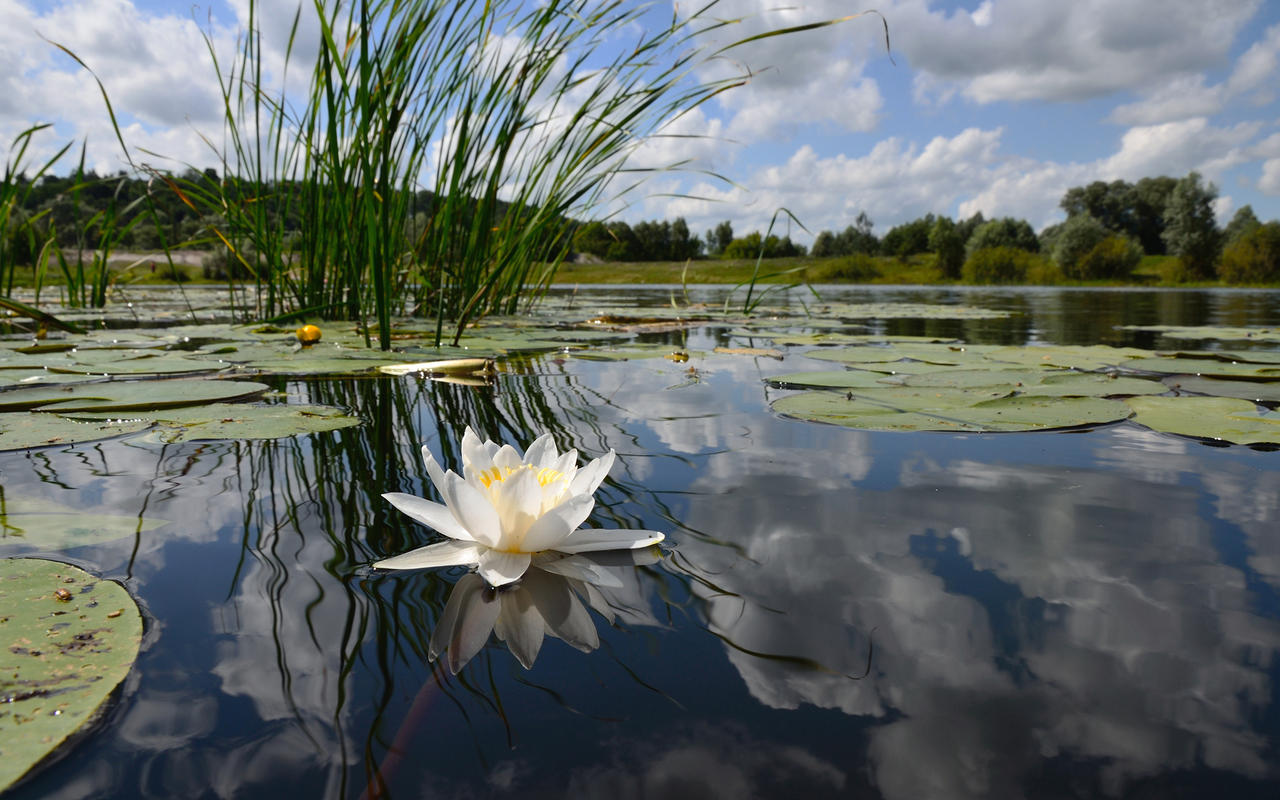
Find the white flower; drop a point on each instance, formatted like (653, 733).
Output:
(505, 508)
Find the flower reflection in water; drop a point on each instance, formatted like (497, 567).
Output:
(548, 600)
(506, 508)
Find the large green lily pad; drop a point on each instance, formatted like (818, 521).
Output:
(117, 361)
(45, 525)
(67, 640)
(1041, 383)
(1085, 357)
(1223, 418)
(905, 409)
(128, 395)
(22, 430)
(1256, 391)
(219, 421)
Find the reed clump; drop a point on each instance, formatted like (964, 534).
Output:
(443, 148)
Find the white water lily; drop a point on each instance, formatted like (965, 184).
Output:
(504, 508)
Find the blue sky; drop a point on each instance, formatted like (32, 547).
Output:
(997, 106)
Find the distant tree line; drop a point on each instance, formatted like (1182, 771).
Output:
(1109, 227)
(673, 241)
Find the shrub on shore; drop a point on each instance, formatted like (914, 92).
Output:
(1254, 257)
(997, 265)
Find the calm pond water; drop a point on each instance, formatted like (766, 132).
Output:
(837, 613)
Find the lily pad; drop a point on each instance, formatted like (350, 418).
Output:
(1221, 333)
(829, 379)
(1205, 366)
(1244, 390)
(955, 410)
(1084, 357)
(110, 361)
(1041, 383)
(1223, 418)
(219, 421)
(45, 525)
(67, 640)
(944, 354)
(23, 430)
(128, 395)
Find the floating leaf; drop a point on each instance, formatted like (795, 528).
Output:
(1040, 383)
(1221, 333)
(829, 379)
(1244, 390)
(1205, 366)
(944, 354)
(23, 430)
(111, 361)
(1224, 418)
(44, 525)
(243, 421)
(900, 409)
(67, 639)
(1084, 357)
(128, 395)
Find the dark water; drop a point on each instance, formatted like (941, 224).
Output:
(840, 613)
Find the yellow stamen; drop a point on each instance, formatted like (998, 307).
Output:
(546, 475)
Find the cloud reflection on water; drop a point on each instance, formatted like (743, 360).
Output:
(1022, 613)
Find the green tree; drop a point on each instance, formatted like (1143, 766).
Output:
(1003, 232)
(719, 238)
(908, 238)
(1073, 239)
(624, 246)
(1150, 198)
(824, 245)
(965, 228)
(1244, 221)
(1111, 204)
(592, 239)
(1190, 231)
(684, 245)
(945, 241)
(750, 246)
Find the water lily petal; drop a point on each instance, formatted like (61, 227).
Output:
(588, 479)
(433, 515)
(588, 540)
(507, 457)
(441, 554)
(554, 527)
(476, 457)
(434, 470)
(520, 625)
(472, 509)
(542, 452)
(499, 568)
(464, 626)
(518, 500)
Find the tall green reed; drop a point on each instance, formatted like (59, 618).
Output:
(513, 117)
(22, 240)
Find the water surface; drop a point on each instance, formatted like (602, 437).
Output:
(838, 614)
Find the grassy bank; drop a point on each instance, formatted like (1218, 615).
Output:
(881, 270)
